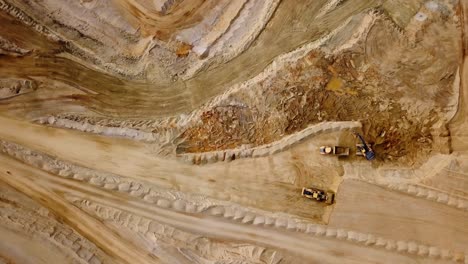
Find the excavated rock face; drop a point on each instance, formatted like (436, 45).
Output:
(183, 131)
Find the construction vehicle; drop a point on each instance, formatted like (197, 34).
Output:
(364, 149)
(336, 150)
(318, 195)
(360, 148)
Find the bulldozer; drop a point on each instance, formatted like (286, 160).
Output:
(318, 195)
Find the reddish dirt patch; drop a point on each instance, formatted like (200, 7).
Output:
(298, 97)
(183, 49)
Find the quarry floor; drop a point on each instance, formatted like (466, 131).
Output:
(88, 197)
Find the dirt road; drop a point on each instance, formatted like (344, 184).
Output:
(108, 240)
(250, 182)
(369, 208)
(51, 191)
(13, 244)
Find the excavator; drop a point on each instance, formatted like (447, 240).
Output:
(364, 149)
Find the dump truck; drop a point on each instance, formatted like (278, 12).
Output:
(318, 195)
(336, 150)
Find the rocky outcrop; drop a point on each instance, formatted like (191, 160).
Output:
(14, 87)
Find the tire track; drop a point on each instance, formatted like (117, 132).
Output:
(431, 194)
(23, 181)
(275, 232)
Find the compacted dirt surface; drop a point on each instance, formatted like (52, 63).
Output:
(137, 131)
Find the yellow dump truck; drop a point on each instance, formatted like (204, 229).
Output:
(318, 195)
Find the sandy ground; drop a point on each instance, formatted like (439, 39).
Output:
(404, 217)
(458, 126)
(13, 246)
(389, 66)
(308, 246)
(122, 253)
(284, 174)
(368, 208)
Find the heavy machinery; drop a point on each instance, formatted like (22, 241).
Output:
(364, 149)
(336, 150)
(318, 195)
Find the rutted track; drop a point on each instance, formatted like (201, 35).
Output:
(364, 207)
(27, 222)
(273, 237)
(148, 192)
(134, 160)
(432, 194)
(107, 240)
(411, 181)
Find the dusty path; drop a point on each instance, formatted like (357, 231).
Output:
(370, 208)
(13, 173)
(249, 182)
(12, 246)
(51, 191)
